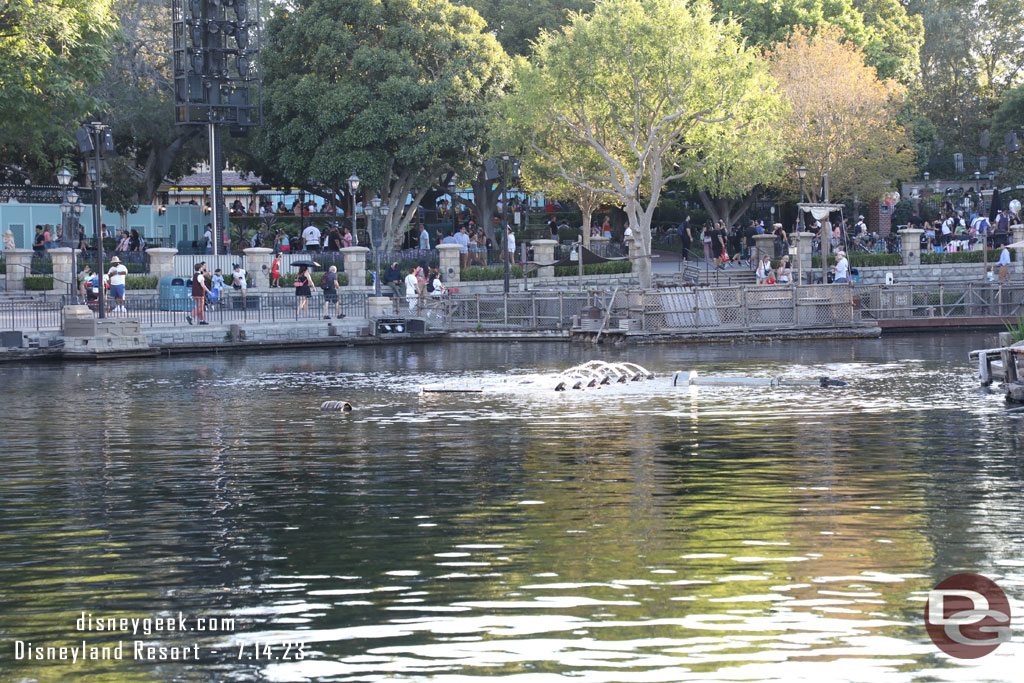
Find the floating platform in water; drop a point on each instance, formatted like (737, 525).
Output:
(590, 375)
(693, 379)
(1002, 365)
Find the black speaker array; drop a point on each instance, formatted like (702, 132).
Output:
(217, 62)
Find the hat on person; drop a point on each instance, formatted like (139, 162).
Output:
(115, 260)
(860, 218)
(840, 253)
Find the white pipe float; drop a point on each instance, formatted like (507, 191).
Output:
(693, 379)
(335, 407)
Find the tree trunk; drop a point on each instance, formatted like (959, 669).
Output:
(727, 210)
(588, 204)
(484, 204)
(159, 162)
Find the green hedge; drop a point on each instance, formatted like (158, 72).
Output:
(479, 273)
(140, 282)
(38, 283)
(931, 258)
(858, 260)
(609, 268)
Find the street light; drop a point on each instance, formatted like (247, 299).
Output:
(451, 191)
(67, 209)
(927, 175)
(801, 173)
(376, 214)
(353, 187)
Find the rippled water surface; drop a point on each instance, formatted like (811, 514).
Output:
(640, 534)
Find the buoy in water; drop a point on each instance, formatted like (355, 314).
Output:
(335, 407)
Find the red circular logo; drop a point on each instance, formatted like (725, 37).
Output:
(967, 616)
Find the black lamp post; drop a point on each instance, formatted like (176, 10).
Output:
(504, 217)
(451, 192)
(353, 187)
(801, 173)
(376, 214)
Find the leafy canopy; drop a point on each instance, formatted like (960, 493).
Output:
(376, 88)
(50, 51)
(644, 106)
(842, 117)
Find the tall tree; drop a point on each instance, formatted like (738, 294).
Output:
(395, 91)
(889, 35)
(517, 24)
(647, 106)
(138, 89)
(50, 52)
(842, 117)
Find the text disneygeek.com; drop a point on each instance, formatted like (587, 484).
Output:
(146, 650)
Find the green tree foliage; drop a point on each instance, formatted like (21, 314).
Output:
(518, 23)
(1010, 117)
(889, 36)
(50, 51)
(647, 106)
(842, 118)
(396, 92)
(138, 90)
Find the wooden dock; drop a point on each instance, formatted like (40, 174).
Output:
(1001, 365)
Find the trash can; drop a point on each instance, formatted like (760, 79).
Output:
(175, 294)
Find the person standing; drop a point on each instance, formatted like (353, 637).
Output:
(199, 292)
(510, 245)
(705, 239)
(842, 268)
(462, 238)
(117, 274)
(424, 239)
(275, 272)
(411, 290)
(1004, 264)
(311, 238)
(208, 239)
(686, 237)
(764, 270)
(330, 286)
(39, 242)
(304, 289)
(218, 286)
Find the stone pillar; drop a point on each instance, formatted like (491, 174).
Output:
(599, 245)
(355, 266)
(801, 242)
(257, 266)
(63, 276)
(161, 262)
(910, 246)
(765, 244)
(19, 264)
(544, 252)
(449, 267)
(379, 306)
(1018, 238)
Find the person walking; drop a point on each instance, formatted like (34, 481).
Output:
(330, 286)
(199, 292)
(1004, 264)
(275, 272)
(118, 273)
(304, 289)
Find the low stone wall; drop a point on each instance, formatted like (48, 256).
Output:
(946, 272)
(269, 333)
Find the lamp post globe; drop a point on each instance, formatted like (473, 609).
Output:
(353, 187)
(64, 177)
(801, 173)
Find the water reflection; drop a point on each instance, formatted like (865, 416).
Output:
(650, 533)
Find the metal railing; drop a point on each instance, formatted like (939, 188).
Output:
(966, 300)
(31, 316)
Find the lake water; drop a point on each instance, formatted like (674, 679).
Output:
(643, 533)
